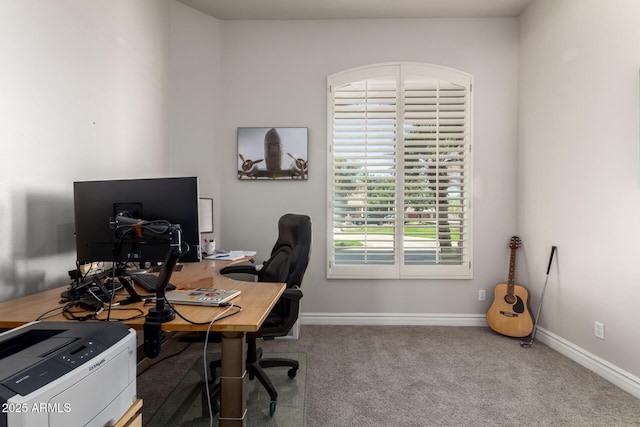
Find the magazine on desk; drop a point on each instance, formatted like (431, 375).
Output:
(201, 296)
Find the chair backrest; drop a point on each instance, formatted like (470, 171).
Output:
(290, 254)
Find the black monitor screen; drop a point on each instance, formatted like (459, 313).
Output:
(170, 199)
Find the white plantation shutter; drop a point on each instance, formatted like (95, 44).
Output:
(399, 172)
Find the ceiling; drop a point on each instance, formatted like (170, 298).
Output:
(356, 9)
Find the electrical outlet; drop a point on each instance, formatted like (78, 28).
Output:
(482, 295)
(599, 330)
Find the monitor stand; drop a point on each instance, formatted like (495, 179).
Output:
(161, 313)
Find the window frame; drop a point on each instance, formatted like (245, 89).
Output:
(401, 72)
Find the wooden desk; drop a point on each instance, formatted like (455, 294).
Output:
(133, 417)
(256, 300)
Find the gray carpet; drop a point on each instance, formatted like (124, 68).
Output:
(431, 376)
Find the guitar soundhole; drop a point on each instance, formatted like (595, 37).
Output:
(518, 304)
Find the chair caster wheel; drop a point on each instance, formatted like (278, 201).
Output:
(292, 372)
(272, 408)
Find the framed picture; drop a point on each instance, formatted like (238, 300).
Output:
(205, 216)
(272, 153)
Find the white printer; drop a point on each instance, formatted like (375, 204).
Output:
(66, 374)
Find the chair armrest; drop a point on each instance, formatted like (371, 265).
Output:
(240, 269)
(293, 294)
(292, 297)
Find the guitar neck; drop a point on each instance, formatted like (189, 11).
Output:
(512, 271)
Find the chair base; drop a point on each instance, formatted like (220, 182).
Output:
(255, 368)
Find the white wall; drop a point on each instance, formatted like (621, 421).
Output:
(274, 74)
(194, 91)
(579, 178)
(84, 94)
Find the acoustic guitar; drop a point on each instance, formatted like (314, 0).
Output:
(509, 313)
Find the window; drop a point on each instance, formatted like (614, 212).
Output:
(399, 172)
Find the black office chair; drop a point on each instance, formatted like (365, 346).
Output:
(288, 263)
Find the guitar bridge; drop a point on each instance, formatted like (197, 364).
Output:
(508, 314)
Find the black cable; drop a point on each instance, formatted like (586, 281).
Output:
(115, 267)
(224, 304)
(186, 245)
(75, 315)
(157, 227)
(113, 293)
(64, 307)
(71, 315)
(138, 316)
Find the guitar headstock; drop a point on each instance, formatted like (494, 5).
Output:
(515, 243)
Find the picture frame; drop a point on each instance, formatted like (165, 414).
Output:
(273, 153)
(205, 215)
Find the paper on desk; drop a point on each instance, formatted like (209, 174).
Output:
(245, 253)
(231, 256)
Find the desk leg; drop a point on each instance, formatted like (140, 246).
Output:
(233, 398)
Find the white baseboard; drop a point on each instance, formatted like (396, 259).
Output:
(393, 319)
(620, 378)
(608, 371)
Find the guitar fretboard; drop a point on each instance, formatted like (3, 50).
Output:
(515, 243)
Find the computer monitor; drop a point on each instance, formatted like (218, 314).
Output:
(96, 203)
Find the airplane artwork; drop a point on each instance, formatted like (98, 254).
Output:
(272, 153)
